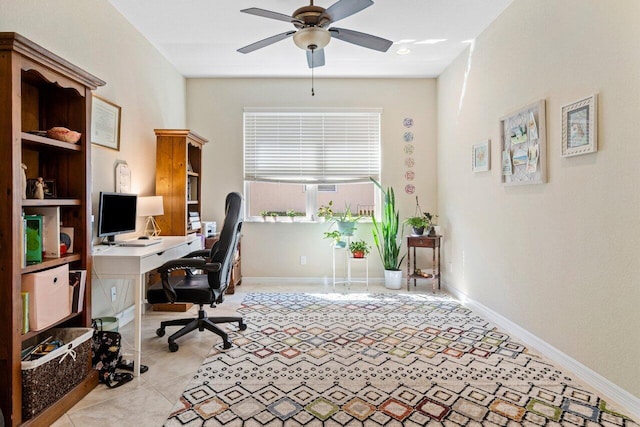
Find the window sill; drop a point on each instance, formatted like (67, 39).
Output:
(297, 221)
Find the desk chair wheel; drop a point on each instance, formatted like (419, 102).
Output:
(160, 332)
(173, 347)
(226, 345)
(242, 326)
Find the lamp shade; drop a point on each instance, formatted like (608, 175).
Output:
(311, 38)
(150, 206)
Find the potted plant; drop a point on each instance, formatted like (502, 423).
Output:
(325, 213)
(337, 238)
(386, 239)
(432, 220)
(291, 213)
(346, 221)
(264, 215)
(359, 248)
(274, 215)
(418, 224)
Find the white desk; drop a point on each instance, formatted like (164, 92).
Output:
(120, 262)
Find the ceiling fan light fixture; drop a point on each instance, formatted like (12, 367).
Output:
(312, 38)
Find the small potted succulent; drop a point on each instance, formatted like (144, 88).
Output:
(274, 215)
(264, 215)
(359, 248)
(291, 213)
(337, 238)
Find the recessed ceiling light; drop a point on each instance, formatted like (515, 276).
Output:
(403, 51)
(404, 41)
(431, 41)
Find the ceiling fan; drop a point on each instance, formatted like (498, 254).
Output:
(312, 33)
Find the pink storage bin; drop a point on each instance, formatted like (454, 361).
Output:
(48, 296)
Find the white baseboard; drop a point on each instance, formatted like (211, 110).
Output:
(126, 316)
(322, 281)
(619, 396)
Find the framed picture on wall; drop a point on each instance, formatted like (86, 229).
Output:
(523, 141)
(481, 157)
(105, 123)
(580, 127)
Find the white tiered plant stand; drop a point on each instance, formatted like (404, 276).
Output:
(348, 280)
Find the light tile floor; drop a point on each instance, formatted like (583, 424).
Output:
(148, 399)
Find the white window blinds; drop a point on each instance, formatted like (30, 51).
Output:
(311, 146)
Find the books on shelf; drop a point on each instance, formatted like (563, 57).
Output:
(77, 283)
(193, 221)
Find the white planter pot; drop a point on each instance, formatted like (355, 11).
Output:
(393, 279)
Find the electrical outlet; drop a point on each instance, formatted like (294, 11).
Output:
(303, 260)
(113, 294)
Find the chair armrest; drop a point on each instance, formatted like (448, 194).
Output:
(188, 264)
(200, 253)
(181, 263)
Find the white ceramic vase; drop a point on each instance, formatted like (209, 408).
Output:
(393, 279)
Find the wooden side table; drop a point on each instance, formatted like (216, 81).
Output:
(432, 242)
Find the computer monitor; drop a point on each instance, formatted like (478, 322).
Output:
(116, 214)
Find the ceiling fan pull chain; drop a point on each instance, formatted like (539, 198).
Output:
(312, 55)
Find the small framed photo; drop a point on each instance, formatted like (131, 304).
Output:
(48, 186)
(105, 123)
(580, 127)
(481, 157)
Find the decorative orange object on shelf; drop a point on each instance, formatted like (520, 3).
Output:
(64, 134)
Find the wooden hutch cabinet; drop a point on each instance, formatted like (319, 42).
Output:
(39, 91)
(179, 179)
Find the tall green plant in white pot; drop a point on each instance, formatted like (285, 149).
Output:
(387, 239)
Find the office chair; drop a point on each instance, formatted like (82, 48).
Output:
(206, 288)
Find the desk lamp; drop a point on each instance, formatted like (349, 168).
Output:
(150, 206)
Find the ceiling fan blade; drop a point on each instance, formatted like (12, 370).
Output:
(361, 39)
(315, 58)
(269, 14)
(343, 8)
(266, 42)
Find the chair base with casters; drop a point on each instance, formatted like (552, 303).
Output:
(201, 323)
(190, 288)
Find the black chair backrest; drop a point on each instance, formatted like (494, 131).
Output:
(224, 249)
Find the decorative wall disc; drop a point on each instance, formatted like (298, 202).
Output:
(408, 136)
(409, 162)
(408, 149)
(407, 122)
(409, 175)
(409, 189)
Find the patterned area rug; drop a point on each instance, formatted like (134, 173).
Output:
(379, 360)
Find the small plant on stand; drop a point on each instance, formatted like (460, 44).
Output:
(291, 213)
(432, 221)
(337, 238)
(346, 221)
(264, 215)
(274, 215)
(417, 224)
(359, 248)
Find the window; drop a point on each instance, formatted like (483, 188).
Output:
(297, 160)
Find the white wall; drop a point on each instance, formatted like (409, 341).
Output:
(560, 259)
(95, 37)
(214, 109)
